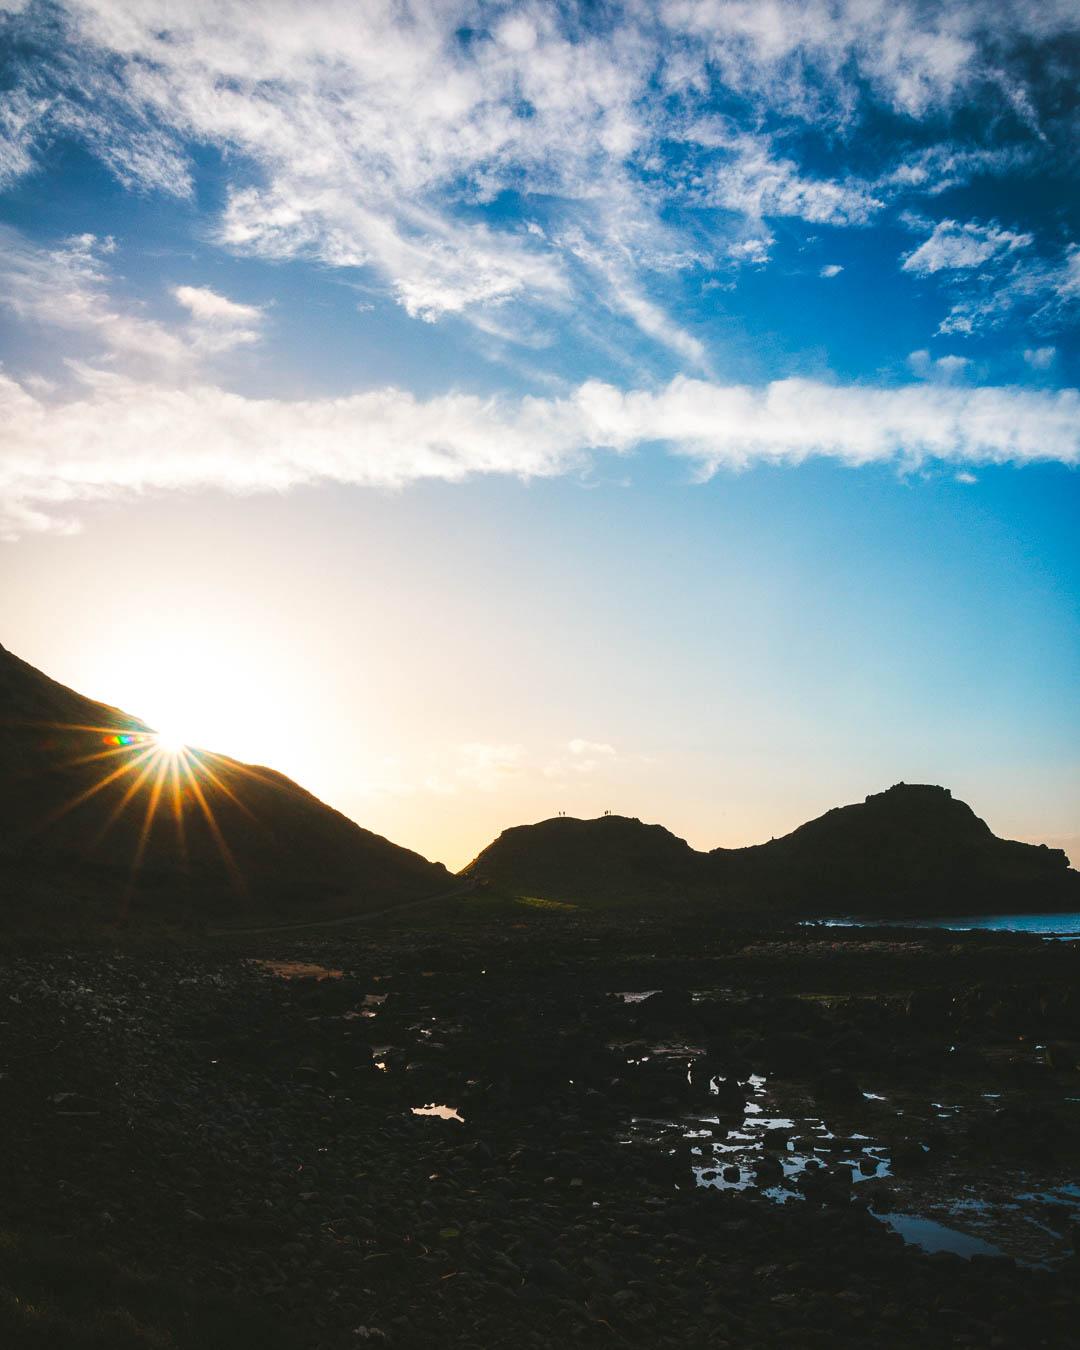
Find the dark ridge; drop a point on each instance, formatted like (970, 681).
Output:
(912, 850)
(228, 842)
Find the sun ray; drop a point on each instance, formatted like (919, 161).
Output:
(222, 786)
(65, 808)
(144, 833)
(98, 755)
(140, 732)
(215, 828)
(121, 806)
(151, 812)
(178, 808)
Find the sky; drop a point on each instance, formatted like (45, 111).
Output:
(478, 411)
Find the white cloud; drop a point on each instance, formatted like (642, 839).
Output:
(754, 183)
(592, 748)
(815, 58)
(366, 135)
(944, 368)
(755, 250)
(937, 168)
(954, 246)
(369, 125)
(1040, 358)
(120, 437)
(831, 270)
(209, 307)
(218, 323)
(951, 367)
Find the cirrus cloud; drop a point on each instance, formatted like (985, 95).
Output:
(380, 135)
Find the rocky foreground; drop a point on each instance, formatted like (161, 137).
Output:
(219, 1147)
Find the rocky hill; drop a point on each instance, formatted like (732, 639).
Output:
(101, 823)
(911, 850)
(611, 858)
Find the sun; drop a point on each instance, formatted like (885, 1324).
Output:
(170, 740)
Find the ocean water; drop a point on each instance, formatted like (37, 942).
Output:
(1065, 927)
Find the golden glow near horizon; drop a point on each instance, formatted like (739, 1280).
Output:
(442, 755)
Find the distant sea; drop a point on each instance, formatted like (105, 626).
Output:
(1065, 927)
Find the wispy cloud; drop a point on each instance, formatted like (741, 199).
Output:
(380, 136)
(956, 246)
(486, 768)
(21, 118)
(67, 287)
(1044, 291)
(583, 759)
(70, 287)
(119, 437)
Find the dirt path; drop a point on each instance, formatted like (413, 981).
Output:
(464, 889)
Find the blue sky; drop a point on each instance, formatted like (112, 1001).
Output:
(684, 395)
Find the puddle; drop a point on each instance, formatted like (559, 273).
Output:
(299, 970)
(443, 1112)
(932, 1237)
(636, 995)
(770, 1152)
(784, 1154)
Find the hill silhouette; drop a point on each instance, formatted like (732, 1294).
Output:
(912, 850)
(100, 822)
(610, 858)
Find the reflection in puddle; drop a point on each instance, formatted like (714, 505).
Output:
(768, 1152)
(935, 1237)
(443, 1112)
(798, 1157)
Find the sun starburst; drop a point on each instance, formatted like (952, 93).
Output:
(153, 776)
